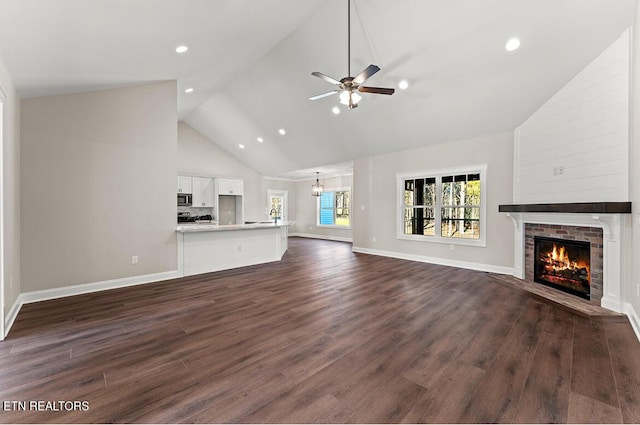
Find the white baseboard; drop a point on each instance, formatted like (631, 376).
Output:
(85, 288)
(633, 318)
(11, 316)
(435, 260)
(324, 237)
(613, 304)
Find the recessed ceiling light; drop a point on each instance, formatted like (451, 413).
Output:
(181, 49)
(282, 131)
(260, 139)
(189, 90)
(403, 84)
(241, 146)
(512, 44)
(335, 110)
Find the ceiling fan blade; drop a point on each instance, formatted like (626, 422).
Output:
(367, 73)
(320, 96)
(376, 90)
(326, 78)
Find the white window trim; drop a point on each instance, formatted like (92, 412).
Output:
(335, 226)
(401, 177)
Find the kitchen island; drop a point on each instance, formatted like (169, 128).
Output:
(204, 248)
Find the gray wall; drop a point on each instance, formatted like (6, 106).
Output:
(307, 209)
(375, 208)
(98, 185)
(10, 191)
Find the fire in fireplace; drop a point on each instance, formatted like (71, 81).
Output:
(563, 264)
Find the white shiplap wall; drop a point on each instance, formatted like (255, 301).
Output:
(575, 148)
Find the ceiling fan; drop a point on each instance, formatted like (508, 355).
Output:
(348, 87)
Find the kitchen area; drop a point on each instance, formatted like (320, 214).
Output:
(212, 233)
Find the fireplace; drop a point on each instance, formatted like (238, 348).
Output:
(563, 264)
(601, 224)
(542, 237)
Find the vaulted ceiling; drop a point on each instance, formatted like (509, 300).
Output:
(250, 64)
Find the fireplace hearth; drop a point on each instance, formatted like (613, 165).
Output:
(563, 264)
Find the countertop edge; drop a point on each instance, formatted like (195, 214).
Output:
(196, 228)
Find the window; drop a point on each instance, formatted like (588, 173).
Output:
(334, 208)
(443, 206)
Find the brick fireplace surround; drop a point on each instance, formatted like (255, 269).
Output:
(593, 235)
(577, 221)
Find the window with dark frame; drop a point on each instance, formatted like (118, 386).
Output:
(446, 206)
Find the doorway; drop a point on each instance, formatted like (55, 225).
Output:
(277, 204)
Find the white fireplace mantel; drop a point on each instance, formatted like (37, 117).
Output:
(613, 235)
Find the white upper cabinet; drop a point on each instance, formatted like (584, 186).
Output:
(230, 187)
(184, 184)
(202, 192)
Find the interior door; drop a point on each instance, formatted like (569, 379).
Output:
(277, 205)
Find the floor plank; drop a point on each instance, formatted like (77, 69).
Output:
(625, 359)
(325, 335)
(545, 397)
(451, 393)
(591, 352)
(500, 390)
(585, 410)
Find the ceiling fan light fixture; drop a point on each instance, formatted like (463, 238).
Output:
(512, 44)
(349, 98)
(349, 86)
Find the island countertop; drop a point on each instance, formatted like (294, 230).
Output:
(206, 248)
(206, 227)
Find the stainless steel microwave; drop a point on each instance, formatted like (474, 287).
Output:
(185, 199)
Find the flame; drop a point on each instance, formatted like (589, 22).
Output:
(558, 260)
(559, 256)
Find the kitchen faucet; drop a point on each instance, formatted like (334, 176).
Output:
(275, 216)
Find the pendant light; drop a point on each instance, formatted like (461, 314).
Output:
(317, 188)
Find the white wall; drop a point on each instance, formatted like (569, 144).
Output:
(583, 128)
(98, 185)
(10, 191)
(375, 212)
(307, 209)
(633, 289)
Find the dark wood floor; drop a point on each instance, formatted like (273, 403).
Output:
(325, 335)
